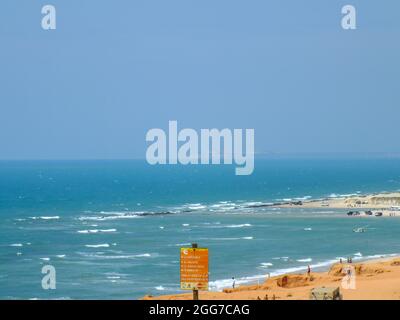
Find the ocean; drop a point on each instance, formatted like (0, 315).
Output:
(113, 229)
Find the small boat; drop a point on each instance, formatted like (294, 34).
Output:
(359, 230)
(378, 214)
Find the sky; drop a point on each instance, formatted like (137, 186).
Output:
(112, 70)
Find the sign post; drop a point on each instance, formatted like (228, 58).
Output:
(194, 269)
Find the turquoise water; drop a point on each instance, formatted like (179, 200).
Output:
(113, 229)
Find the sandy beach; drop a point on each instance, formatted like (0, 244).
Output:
(374, 280)
(386, 203)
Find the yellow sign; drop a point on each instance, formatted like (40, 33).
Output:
(194, 269)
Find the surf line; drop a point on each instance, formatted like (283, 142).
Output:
(186, 147)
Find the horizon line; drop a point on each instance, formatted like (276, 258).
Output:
(262, 155)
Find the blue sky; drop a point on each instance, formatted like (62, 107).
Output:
(115, 69)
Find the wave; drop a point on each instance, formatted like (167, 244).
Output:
(216, 207)
(304, 260)
(304, 198)
(220, 226)
(160, 288)
(96, 231)
(115, 215)
(219, 207)
(119, 257)
(228, 239)
(181, 244)
(197, 207)
(103, 245)
(238, 225)
(46, 218)
(266, 264)
(16, 245)
(111, 217)
(345, 195)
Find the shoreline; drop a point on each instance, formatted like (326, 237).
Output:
(375, 279)
(377, 204)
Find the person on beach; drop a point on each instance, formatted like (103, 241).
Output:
(308, 270)
(233, 282)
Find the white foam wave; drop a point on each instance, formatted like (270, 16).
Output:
(46, 218)
(303, 198)
(280, 258)
(304, 260)
(111, 216)
(238, 225)
(160, 288)
(266, 264)
(103, 245)
(96, 231)
(346, 195)
(119, 257)
(182, 244)
(227, 239)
